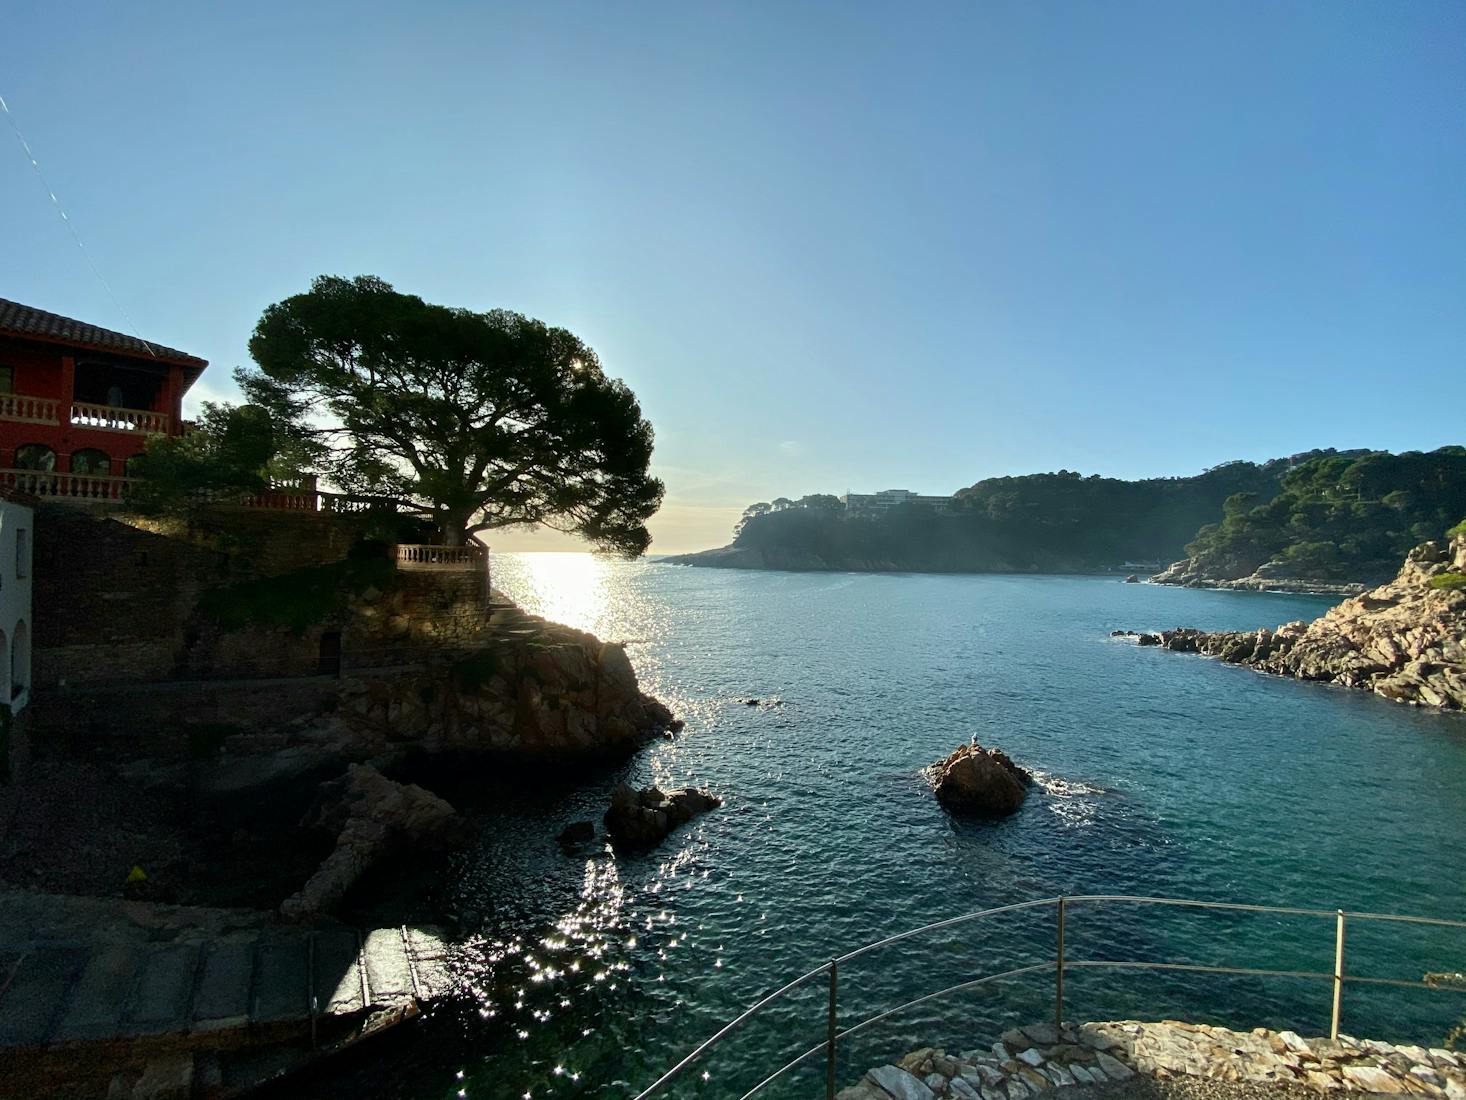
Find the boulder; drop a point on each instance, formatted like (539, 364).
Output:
(373, 818)
(975, 780)
(577, 833)
(640, 819)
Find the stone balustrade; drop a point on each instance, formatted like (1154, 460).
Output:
(79, 487)
(414, 556)
(28, 410)
(110, 418)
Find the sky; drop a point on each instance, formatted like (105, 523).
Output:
(831, 247)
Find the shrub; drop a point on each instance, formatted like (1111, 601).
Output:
(1449, 582)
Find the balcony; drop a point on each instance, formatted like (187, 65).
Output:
(105, 418)
(78, 487)
(422, 558)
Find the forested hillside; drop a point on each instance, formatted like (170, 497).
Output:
(1337, 517)
(1054, 522)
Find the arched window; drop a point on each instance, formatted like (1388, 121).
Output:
(20, 661)
(35, 456)
(91, 462)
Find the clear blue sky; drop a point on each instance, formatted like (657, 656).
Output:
(830, 246)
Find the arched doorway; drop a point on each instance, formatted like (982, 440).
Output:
(91, 462)
(20, 662)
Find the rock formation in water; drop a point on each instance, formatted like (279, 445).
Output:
(640, 819)
(373, 818)
(975, 780)
(1273, 576)
(1405, 640)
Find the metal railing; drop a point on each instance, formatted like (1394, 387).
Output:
(834, 1035)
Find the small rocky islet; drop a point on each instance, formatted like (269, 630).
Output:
(1405, 640)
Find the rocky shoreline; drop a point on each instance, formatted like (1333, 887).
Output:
(1269, 577)
(1033, 1060)
(1405, 640)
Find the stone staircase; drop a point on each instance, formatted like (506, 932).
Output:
(195, 1010)
(59, 992)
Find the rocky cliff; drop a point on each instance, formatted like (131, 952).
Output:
(1405, 640)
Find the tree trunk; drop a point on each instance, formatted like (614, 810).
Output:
(453, 527)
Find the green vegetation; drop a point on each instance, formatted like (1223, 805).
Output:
(1333, 515)
(1058, 522)
(1449, 582)
(1339, 517)
(229, 455)
(299, 600)
(487, 419)
(1458, 531)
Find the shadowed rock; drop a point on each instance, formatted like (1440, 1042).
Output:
(640, 819)
(975, 780)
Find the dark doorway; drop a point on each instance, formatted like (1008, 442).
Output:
(329, 662)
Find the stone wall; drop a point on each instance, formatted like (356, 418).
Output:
(272, 541)
(116, 601)
(111, 600)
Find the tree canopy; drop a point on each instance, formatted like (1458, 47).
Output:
(487, 419)
(1333, 515)
(230, 454)
(1340, 517)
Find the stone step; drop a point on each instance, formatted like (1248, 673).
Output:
(72, 993)
(39, 982)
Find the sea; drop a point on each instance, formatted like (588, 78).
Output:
(814, 703)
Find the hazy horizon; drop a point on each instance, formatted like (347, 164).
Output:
(830, 248)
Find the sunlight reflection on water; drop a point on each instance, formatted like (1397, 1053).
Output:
(1156, 773)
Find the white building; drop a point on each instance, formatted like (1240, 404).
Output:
(882, 502)
(17, 532)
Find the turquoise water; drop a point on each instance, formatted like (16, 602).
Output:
(1162, 774)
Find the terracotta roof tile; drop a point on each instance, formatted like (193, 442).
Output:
(22, 320)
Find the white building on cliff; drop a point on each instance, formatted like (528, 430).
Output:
(875, 504)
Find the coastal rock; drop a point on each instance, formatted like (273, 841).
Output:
(639, 819)
(1272, 576)
(1405, 640)
(976, 780)
(373, 818)
(540, 693)
(577, 833)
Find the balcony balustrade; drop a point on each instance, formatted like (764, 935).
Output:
(78, 487)
(412, 557)
(110, 418)
(28, 410)
(107, 418)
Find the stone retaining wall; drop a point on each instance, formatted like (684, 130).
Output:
(1035, 1059)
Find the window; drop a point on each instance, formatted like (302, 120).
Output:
(22, 552)
(35, 456)
(7, 379)
(91, 462)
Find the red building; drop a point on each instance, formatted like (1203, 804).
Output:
(78, 401)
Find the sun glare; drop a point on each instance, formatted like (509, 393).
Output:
(567, 588)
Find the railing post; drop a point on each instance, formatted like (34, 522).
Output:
(830, 1036)
(1059, 971)
(1338, 975)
